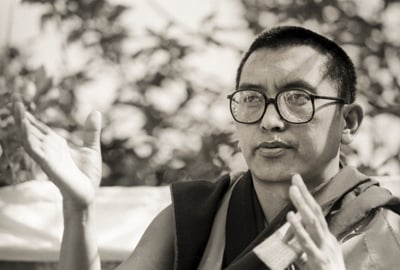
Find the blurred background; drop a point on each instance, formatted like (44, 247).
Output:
(159, 72)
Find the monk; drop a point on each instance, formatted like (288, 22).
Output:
(297, 207)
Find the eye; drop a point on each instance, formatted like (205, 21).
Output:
(252, 99)
(297, 98)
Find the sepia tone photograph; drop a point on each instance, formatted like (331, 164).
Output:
(214, 134)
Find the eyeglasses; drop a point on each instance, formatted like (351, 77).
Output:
(295, 106)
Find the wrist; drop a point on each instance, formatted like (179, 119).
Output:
(77, 213)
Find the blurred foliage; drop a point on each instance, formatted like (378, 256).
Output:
(32, 85)
(175, 142)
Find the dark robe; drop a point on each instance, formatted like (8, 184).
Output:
(348, 201)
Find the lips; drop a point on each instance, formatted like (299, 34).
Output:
(273, 148)
(273, 144)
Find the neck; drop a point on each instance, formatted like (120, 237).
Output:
(274, 195)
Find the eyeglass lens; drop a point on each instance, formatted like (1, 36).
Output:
(295, 106)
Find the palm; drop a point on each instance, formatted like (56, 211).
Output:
(88, 160)
(76, 170)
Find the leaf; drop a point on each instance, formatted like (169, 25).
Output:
(42, 81)
(116, 12)
(209, 17)
(45, 18)
(75, 35)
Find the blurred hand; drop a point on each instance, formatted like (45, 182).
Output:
(311, 230)
(75, 170)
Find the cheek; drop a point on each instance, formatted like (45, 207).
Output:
(244, 136)
(241, 140)
(321, 139)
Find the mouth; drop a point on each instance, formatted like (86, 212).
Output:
(272, 149)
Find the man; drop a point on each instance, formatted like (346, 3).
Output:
(294, 108)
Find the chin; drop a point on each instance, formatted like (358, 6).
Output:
(273, 170)
(273, 173)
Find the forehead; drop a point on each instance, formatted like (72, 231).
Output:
(274, 68)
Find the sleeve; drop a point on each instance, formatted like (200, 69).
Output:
(195, 204)
(377, 246)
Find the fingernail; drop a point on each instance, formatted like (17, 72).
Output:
(290, 215)
(294, 178)
(297, 180)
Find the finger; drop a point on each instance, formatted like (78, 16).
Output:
(29, 132)
(32, 130)
(301, 205)
(32, 144)
(18, 109)
(308, 217)
(20, 115)
(302, 236)
(38, 124)
(92, 130)
(297, 180)
(309, 199)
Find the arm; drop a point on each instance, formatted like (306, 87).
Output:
(155, 249)
(76, 171)
(78, 246)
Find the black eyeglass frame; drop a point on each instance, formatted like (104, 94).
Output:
(274, 101)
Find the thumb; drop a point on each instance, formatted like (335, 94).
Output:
(92, 130)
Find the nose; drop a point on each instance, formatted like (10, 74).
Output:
(271, 119)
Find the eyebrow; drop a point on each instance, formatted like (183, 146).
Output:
(251, 86)
(300, 84)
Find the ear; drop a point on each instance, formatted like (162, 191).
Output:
(353, 115)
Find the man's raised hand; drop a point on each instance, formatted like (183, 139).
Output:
(75, 170)
(311, 230)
